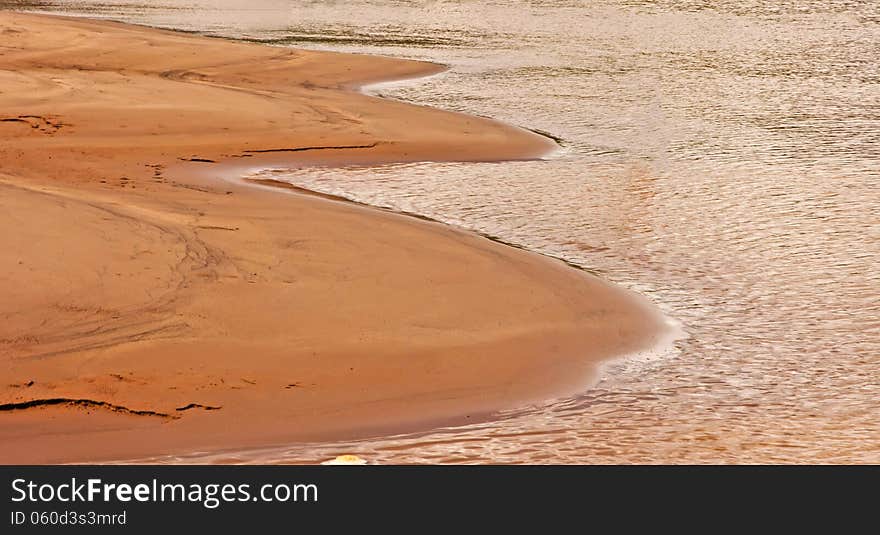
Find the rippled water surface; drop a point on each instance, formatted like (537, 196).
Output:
(721, 157)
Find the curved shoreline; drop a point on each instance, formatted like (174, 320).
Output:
(143, 283)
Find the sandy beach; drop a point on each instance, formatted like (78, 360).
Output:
(151, 307)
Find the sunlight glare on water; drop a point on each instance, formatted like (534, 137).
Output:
(720, 157)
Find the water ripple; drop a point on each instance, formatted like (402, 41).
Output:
(721, 157)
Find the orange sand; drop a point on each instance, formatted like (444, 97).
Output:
(148, 308)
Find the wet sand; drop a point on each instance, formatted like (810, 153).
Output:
(150, 307)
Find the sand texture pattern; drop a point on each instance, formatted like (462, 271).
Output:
(151, 307)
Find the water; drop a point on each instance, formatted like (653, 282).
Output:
(720, 157)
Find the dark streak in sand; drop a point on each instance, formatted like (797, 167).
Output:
(197, 406)
(80, 403)
(301, 149)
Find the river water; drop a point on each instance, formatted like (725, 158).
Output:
(721, 157)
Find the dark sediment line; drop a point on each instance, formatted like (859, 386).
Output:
(80, 403)
(301, 149)
(305, 191)
(197, 406)
(558, 140)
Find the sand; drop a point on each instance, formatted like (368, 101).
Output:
(151, 307)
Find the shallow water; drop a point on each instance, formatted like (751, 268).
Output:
(720, 157)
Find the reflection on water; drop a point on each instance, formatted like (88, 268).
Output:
(721, 157)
